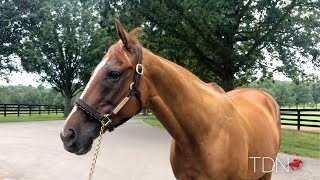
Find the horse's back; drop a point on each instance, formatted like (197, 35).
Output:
(260, 111)
(255, 97)
(261, 117)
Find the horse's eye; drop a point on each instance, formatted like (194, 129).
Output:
(114, 75)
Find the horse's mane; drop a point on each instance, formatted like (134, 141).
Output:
(134, 35)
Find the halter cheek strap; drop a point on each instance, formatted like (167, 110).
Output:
(134, 90)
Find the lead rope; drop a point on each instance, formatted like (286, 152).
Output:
(95, 156)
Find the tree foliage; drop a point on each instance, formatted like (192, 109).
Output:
(302, 94)
(60, 43)
(316, 92)
(289, 94)
(29, 95)
(227, 41)
(284, 93)
(10, 36)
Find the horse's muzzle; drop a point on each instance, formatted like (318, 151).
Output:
(68, 137)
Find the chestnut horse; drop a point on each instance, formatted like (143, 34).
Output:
(216, 135)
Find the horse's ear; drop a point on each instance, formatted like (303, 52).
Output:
(123, 35)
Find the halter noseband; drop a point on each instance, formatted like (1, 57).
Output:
(134, 90)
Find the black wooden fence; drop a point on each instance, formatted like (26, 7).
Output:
(292, 117)
(301, 117)
(18, 109)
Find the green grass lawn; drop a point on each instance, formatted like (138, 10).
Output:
(302, 143)
(308, 106)
(153, 122)
(33, 117)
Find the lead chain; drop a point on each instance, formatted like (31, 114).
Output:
(95, 156)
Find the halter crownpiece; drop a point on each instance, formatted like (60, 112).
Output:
(134, 90)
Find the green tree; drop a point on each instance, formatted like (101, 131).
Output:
(316, 92)
(4, 92)
(266, 85)
(57, 44)
(16, 94)
(40, 87)
(302, 93)
(49, 96)
(10, 36)
(284, 93)
(31, 96)
(229, 39)
(58, 100)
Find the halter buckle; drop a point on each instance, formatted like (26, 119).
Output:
(139, 71)
(106, 117)
(131, 86)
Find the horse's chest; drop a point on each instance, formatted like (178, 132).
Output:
(184, 166)
(203, 165)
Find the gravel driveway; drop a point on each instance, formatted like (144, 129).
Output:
(134, 151)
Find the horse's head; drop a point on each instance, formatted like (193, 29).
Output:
(114, 79)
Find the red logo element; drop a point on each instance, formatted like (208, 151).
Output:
(295, 164)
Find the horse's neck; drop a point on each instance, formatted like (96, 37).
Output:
(179, 99)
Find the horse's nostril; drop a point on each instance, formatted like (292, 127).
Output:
(71, 134)
(69, 137)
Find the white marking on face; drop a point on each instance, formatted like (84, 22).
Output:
(74, 109)
(98, 68)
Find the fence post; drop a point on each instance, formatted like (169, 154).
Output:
(48, 109)
(145, 112)
(29, 110)
(18, 109)
(299, 119)
(5, 110)
(39, 109)
(56, 109)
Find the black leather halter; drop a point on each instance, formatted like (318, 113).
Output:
(134, 90)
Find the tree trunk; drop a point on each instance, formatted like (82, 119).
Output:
(228, 70)
(228, 80)
(67, 104)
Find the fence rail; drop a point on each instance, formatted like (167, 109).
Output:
(300, 117)
(291, 117)
(18, 109)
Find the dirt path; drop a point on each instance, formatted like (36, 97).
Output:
(135, 151)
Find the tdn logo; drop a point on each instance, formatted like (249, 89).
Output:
(295, 164)
(276, 164)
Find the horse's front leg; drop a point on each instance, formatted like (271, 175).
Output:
(184, 168)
